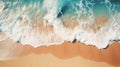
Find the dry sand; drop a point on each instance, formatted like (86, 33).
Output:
(48, 60)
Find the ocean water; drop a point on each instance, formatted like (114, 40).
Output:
(49, 22)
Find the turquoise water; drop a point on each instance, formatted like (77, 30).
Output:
(66, 6)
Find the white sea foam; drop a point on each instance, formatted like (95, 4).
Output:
(19, 25)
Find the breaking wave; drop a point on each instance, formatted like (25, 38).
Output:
(47, 22)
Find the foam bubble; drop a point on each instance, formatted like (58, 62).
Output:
(41, 26)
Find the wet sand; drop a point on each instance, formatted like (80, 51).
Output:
(70, 53)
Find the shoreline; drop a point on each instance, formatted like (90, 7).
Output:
(65, 51)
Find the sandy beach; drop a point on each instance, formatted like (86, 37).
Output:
(48, 60)
(65, 55)
(56, 33)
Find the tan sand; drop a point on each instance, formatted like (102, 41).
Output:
(48, 60)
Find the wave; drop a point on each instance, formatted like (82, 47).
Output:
(44, 23)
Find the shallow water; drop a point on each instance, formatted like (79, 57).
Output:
(43, 22)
